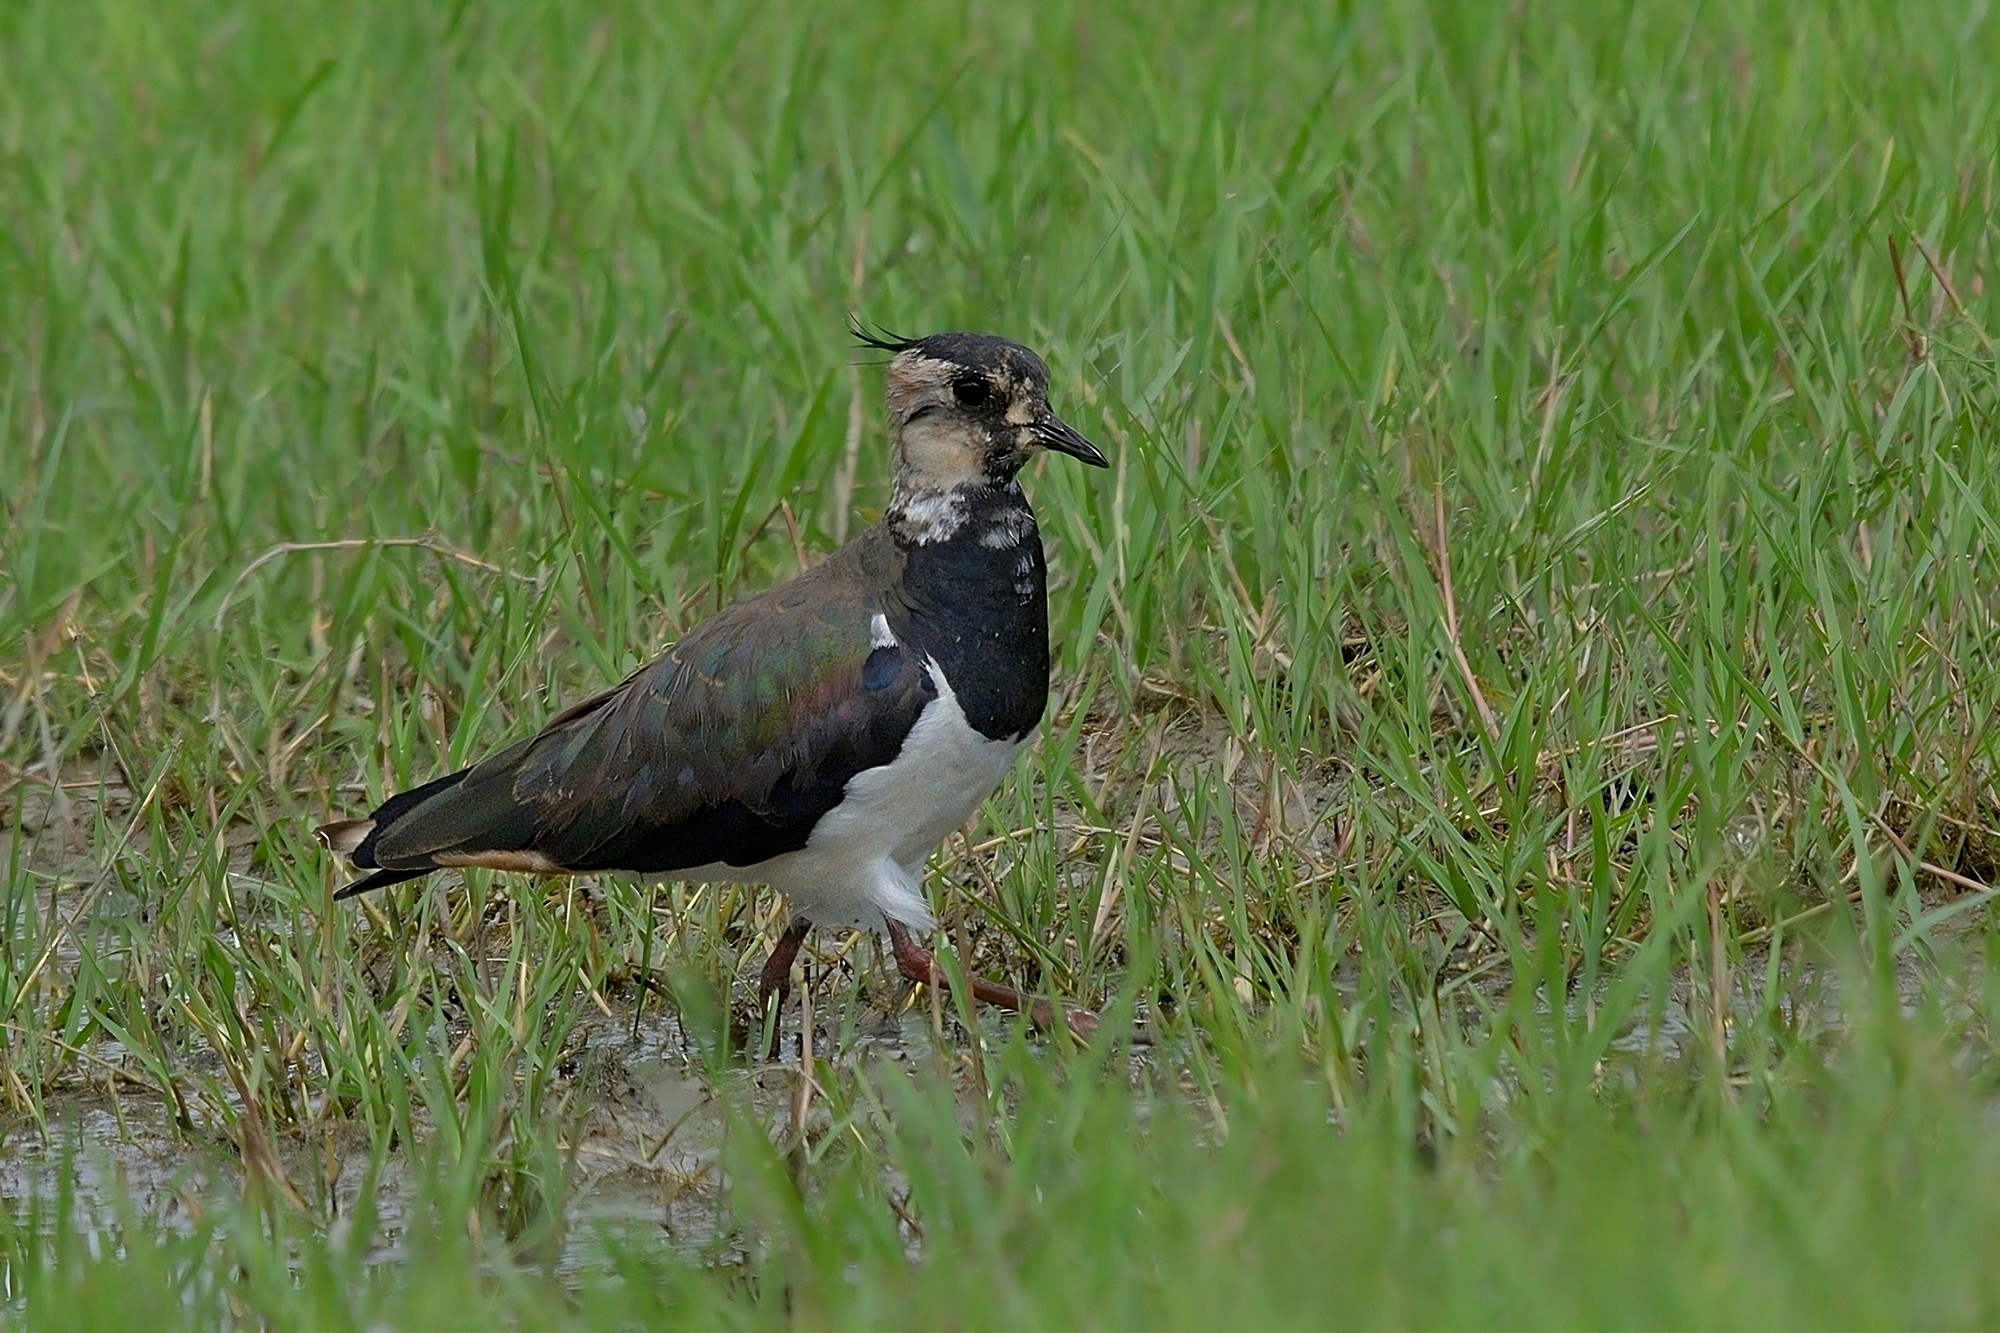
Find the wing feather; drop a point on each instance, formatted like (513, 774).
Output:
(728, 749)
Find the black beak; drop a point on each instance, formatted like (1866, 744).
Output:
(1053, 433)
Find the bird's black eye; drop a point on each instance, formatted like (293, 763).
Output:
(972, 390)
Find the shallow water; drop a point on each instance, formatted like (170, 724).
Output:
(647, 1158)
(647, 1162)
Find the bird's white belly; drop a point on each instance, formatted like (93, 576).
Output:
(865, 858)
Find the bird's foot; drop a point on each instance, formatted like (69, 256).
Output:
(918, 963)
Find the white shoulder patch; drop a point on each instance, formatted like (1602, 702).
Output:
(878, 632)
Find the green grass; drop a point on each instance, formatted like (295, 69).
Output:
(1544, 592)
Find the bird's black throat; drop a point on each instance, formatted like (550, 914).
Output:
(978, 604)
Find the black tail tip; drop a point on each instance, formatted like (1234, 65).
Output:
(381, 879)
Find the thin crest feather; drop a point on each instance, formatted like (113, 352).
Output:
(879, 338)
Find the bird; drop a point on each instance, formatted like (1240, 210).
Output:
(821, 738)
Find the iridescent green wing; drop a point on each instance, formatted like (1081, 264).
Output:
(728, 749)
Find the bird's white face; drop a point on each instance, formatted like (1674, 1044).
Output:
(968, 409)
(958, 425)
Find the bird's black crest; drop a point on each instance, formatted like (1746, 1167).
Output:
(880, 337)
(974, 351)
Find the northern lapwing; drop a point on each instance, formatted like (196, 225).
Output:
(824, 737)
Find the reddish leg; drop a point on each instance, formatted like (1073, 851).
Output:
(917, 963)
(775, 980)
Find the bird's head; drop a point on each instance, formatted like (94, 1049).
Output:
(970, 409)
